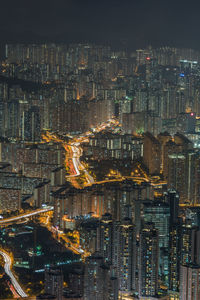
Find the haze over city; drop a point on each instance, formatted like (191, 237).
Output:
(100, 150)
(130, 24)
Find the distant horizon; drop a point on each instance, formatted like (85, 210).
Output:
(130, 24)
(120, 46)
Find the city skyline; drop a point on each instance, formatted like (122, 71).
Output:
(100, 150)
(129, 24)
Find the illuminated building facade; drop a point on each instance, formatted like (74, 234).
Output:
(152, 153)
(158, 213)
(149, 260)
(172, 198)
(54, 282)
(105, 237)
(189, 282)
(99, 284)
(190, 239)
(123, 253)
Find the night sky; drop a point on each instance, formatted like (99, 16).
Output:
(127, 23)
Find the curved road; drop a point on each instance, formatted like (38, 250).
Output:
(26, 215)
(77, 164)
(8, 271)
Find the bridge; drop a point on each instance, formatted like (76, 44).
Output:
(25, 215)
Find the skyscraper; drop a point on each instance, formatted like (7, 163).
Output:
(181, 171)
(123, 242)
(157, 212)
(13, 119)
(174, 256)
(94, 280)
(152, 153)
(148, 269)
(172, 198)
(190, 282)
(32, 130)
(99, 284)
(105, 232)
(54, 282)
(190, 239)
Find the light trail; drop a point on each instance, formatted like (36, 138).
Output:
(26, 215)
(74, 247)
(47, 220)
(77, 152)
(7, 267)
(74, 152)
(72, 159)
(73, 148)
(75, 160)
(15, 295)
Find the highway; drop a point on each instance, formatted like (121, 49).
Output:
(59, 235)
(73, 247)
(74, 152)
(26, 215)
(8, 271)
(77, 152)
(75, 167)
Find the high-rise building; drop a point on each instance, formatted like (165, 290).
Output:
(152, 153)
(190, 239)
(174, 256)
(172, 198)
(94, 279)
(197, 180)
(13, 119)
(32, 128)
(54, 282)
(158, 213)
(186, 122)
(189, 282)
(113, 288)
(123, 253)
(10, 198)
(179, 145)
(149, 259)
(99, 284)
(143, 55)
(76, 282)
(2, 117)
(181, 173)
(105, 237)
